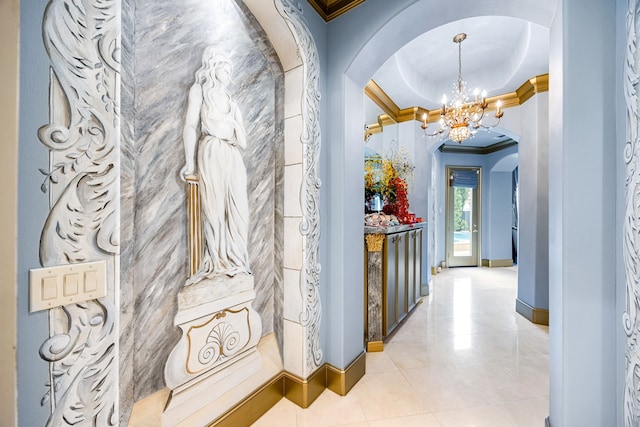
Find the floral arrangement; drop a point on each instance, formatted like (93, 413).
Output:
(397, 202)
(389, 177)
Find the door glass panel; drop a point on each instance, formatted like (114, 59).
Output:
(462, 220)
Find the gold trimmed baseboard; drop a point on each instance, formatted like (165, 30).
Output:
(304, 392)
(254, 406)
(374, 346)
(491, 263)
(341, 382)
(539, 316)
(301, 392)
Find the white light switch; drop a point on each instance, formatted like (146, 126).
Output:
(71, 285)
(52, 287)
(49, 288)
(90, 282)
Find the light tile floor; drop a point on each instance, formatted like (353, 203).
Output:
(464, 357)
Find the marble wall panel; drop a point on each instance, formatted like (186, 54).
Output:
(169, 40)
(127, 199)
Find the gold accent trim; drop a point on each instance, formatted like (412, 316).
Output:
(374, 242)
(301, 392)
(386, 120)
(304, 392)
(539, 316)
(393, 114)
(412, 113)
(331, 9)
(341, 382)
(194, 224)
(254, 406)
(374, 128)
(375, 346)
(492, 263)
(382, 100)
(217, 316)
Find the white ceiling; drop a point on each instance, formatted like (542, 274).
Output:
(499, 54)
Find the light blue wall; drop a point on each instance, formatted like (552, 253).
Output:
(499, 236)
(582, 207)
(533, 257)
(32, 211)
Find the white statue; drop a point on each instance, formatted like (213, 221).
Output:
(213, 138)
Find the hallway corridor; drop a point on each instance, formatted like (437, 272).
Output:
(463, 358)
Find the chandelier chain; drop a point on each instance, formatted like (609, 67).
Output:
(460, 66)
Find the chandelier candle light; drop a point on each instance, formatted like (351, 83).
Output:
(460, 117)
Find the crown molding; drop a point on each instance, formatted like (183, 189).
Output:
(382, 100)
(331, 9)
(393, 114)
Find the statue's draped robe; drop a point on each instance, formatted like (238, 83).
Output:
(223, 190)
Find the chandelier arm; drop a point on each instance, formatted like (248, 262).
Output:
(490, 126)
(440, 131)
(478, 122)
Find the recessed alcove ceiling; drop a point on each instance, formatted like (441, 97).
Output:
(499, 55)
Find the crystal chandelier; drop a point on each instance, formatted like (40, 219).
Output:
(461, 118)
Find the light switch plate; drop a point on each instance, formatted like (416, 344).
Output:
(59, 285)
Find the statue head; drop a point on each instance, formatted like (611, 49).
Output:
(216, 67)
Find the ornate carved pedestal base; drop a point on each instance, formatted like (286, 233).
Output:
(217, 351)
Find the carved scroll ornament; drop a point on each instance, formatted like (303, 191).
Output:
(310, 226)
(82, 39)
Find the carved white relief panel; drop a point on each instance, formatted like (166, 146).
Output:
(632, 220)
(82, 40)
(310, 192)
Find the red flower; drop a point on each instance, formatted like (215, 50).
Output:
(397, 201)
